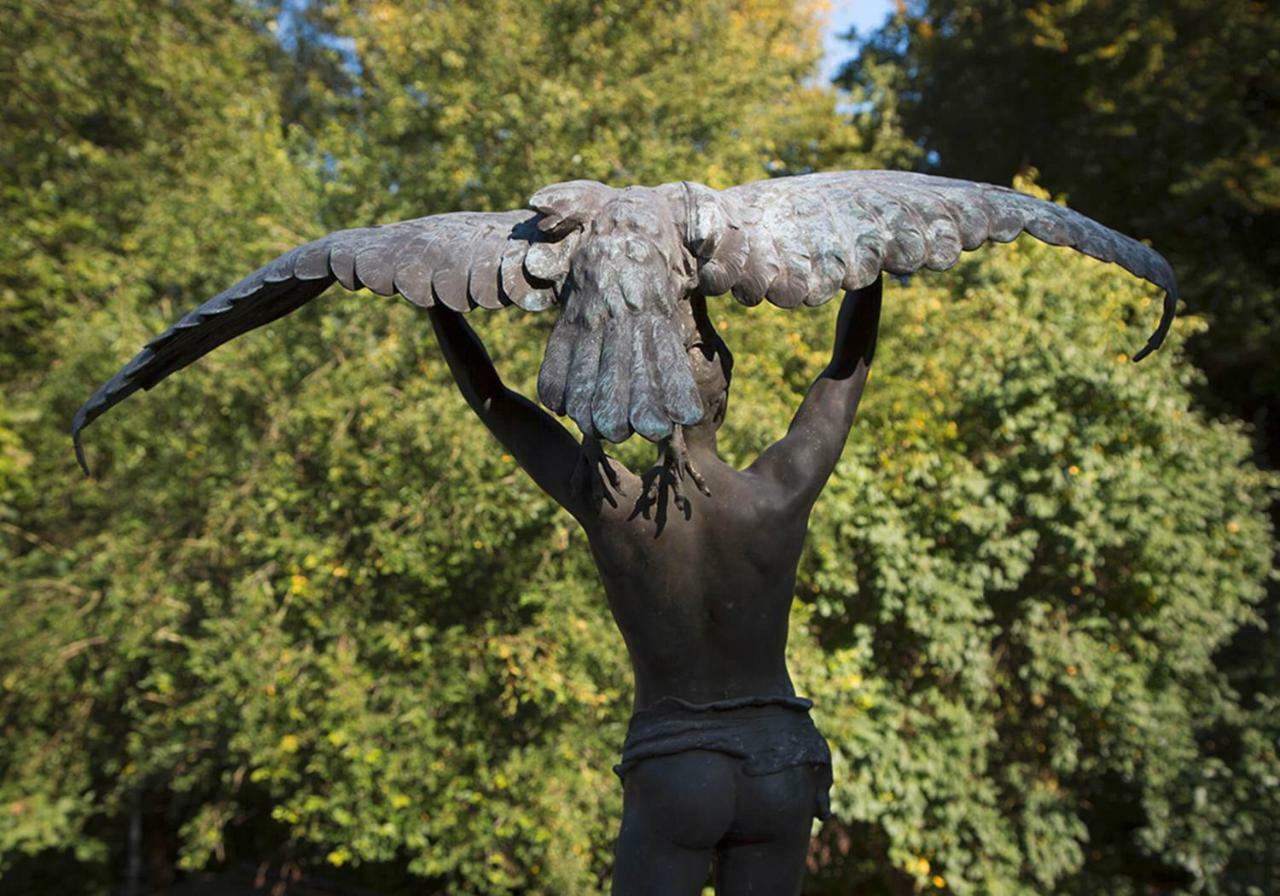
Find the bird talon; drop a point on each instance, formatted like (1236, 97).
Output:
(591, 461)
(677, 466)
(698, 480)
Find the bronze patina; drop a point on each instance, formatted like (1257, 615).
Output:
(722, 767)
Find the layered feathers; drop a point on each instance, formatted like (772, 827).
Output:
(808, 237)
(615, 362)
(622, 265)
(460, 260)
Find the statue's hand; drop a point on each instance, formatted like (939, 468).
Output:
(595, 473)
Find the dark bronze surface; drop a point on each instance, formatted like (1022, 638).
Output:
(700, 583)
(723, 768)
(621, 265)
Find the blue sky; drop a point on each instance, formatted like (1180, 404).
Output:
(861, 14)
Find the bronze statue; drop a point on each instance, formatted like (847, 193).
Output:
(722, 765)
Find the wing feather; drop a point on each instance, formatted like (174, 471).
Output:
(790, 285)
(413, 267)
(342, 259)
(646, 414)
(517, 286)
(460, 252)
(612, 400)
(899, 222)
(374, 264)
(312, 261)
(679, 393)
(281, 268)
(761, 267)
(583, 368)
(482, 282)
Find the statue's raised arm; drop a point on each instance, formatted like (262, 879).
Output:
(542, 447)
(805, 457)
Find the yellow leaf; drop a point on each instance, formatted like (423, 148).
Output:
(339, 857)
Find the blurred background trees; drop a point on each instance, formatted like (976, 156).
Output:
(1160, 114)
(310, 615)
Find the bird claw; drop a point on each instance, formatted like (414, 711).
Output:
(594, 470)
(668, 476)
(674, 467)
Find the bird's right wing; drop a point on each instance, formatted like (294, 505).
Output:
(798, 240)
(461, 260)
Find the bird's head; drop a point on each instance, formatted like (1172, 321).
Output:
(633, 233)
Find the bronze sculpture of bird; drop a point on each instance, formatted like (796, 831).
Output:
(617, 263)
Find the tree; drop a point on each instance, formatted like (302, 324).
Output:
(1155, 117)
(474, 105)
(310, 614)
(108, 111)
(143, 160)
(397, 630)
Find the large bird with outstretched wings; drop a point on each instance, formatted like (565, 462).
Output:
(617, 263)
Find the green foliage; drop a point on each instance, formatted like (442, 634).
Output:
(1019, 577)
(1156, 116)
(475, 105)
(112, 112)
(311, 613)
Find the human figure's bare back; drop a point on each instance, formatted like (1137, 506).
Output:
(722, 765)
(702, 600)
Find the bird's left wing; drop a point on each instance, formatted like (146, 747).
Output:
(462, 260)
